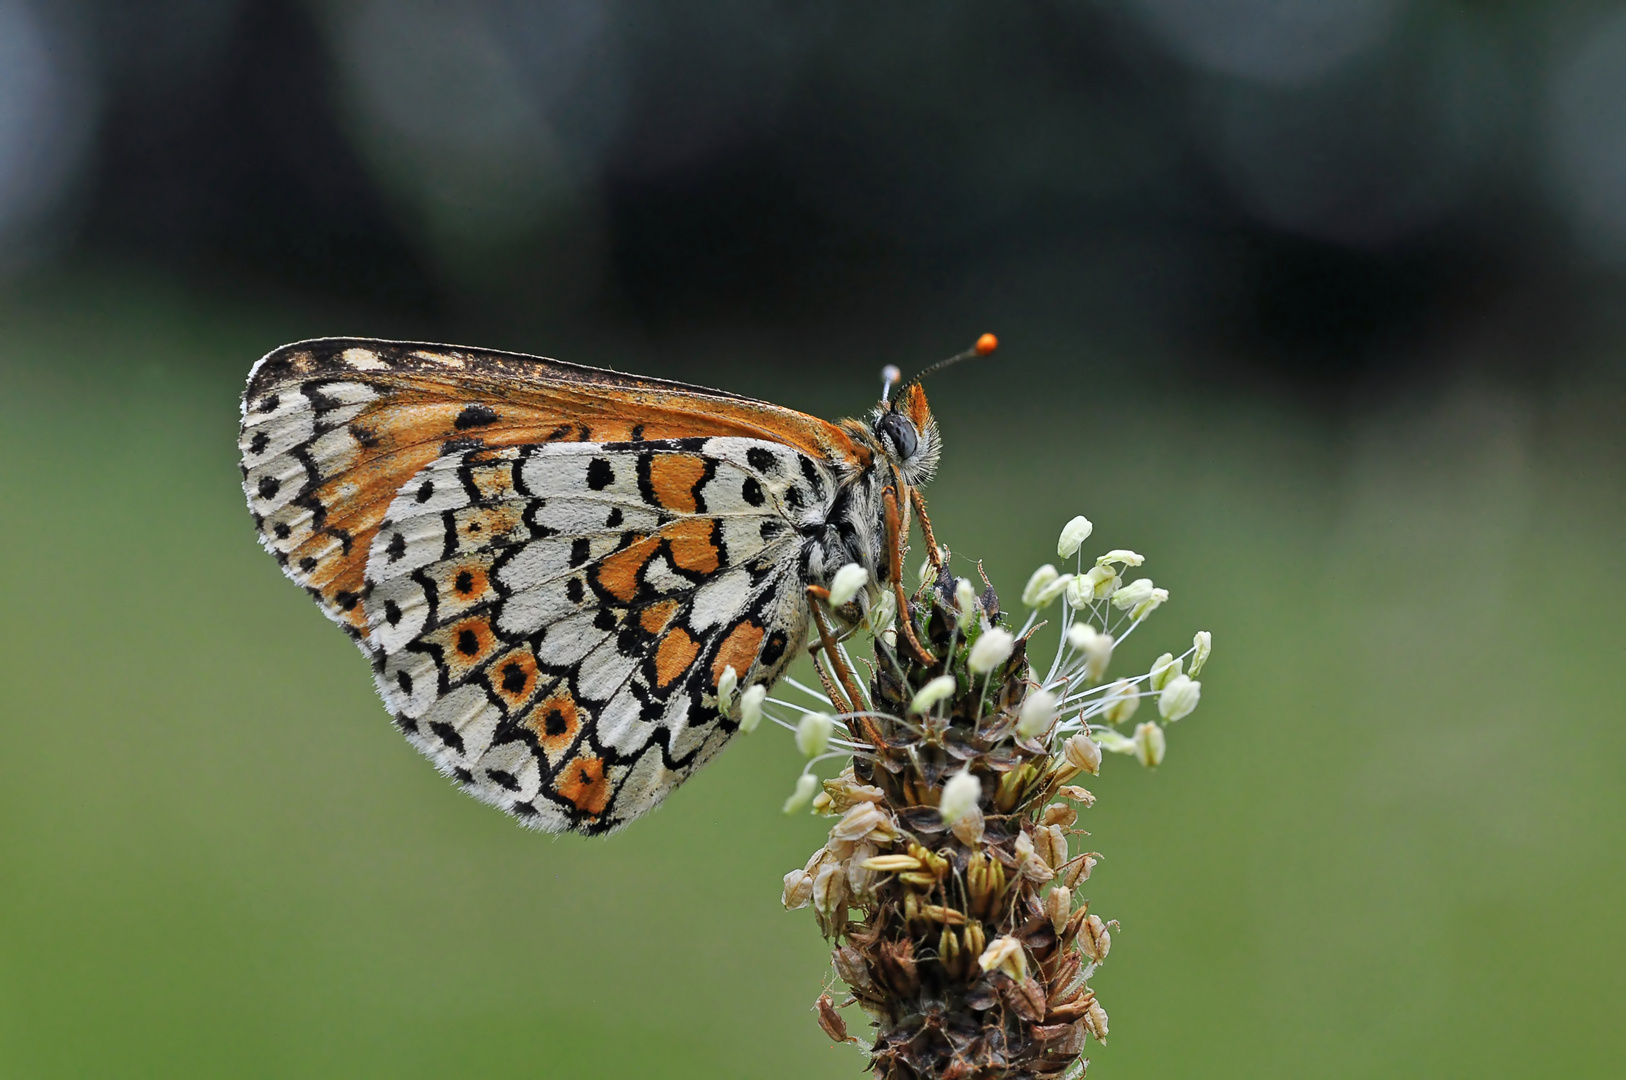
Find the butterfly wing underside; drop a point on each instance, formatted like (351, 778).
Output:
(548, 607)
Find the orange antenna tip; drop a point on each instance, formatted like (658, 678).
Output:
(987, 344)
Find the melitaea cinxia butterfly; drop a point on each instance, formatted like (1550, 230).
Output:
(552, 566)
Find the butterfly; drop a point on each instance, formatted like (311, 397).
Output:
(552, 567)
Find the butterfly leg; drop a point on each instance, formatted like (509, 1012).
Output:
(894, 546)
(832, 656)
(936, 553)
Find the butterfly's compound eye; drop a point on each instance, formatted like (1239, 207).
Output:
(897, 427)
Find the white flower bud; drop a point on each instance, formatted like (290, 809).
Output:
(860, 821)
(1120, 702)
(1113, 741)
(1081, 635)
(1201, 646)
(1030, 864)
(992, 649)
(1150, 604)
(1094, 940)
(960, 795)
(806, 784)
(798, 889)
(1129, 595)
(845, 585)
(882, 612)
(1050, 592)
(970, 828)
(726, 686)
(1038, 713)
(965, 599)
(1179, 697)
(1005, 953)
(1082, 752)
(1164, 668)
(1074, 533)
(1095, 1021)
(751, 707)
(1104, 581)
(1058, 905)
(1080, 590)
(813, 733)
(1079, 870)
(1050, 844)
(829, 889)
(1150, 745)
(1037, 584)
(1098, 656)
(1120, 555)
(928, 571)
(929, 695)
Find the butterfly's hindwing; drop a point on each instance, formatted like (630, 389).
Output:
(549, 622)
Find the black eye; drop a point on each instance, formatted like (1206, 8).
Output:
(902, 433)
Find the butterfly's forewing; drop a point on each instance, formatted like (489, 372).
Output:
(550, 566)
(550, 622)
(333, 428)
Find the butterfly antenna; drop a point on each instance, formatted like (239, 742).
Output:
(986, 344)
(889, 378)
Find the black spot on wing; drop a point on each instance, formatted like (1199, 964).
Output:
(763, 460)
(773, 648)
(475, 415)
(811, 471)
(599, 474)
(502, 779)
(448, 735)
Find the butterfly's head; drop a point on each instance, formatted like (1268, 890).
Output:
(907, 433)
(903, 424)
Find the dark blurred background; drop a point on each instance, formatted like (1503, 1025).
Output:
(1319, 303)
(1324, 195)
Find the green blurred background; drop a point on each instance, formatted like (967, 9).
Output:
(1374, 439)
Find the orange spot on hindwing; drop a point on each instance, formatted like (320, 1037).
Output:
(464, 645)
(694, 544)
(514, 677)
(617, 573)
(584, 783)
(673, 656)
(655, 617)
(738, 650)
(554, 721)
(674, 479)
